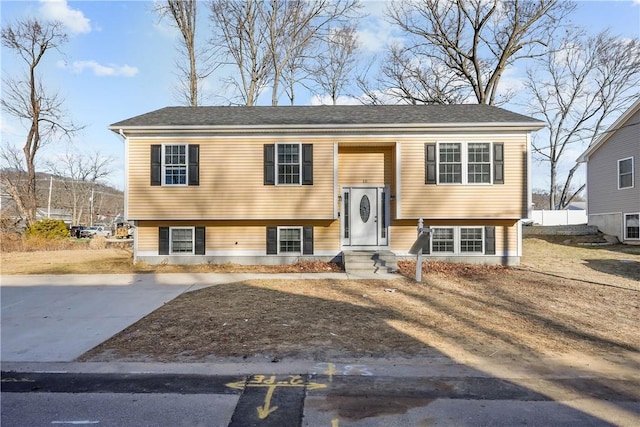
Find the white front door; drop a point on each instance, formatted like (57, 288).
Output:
(363, 216)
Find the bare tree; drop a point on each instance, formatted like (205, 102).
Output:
(27, 100)
(473, 41)
(241, 33)
(266, 40)
(576, 88)
(183, 15)
(335, 65)
(80, 172)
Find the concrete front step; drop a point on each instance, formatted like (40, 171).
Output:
(369, 261)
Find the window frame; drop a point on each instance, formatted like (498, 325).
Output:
(164, 164)
(277, 163)
(464, 162)
(300, 230)
(629, 173)
(193, 240)
(457, 241)
(625, 233)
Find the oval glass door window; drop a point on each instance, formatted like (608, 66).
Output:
(365, 208)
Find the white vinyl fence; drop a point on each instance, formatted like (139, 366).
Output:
(564, 217)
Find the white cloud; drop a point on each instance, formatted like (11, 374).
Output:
(58, 10)
(111, 70)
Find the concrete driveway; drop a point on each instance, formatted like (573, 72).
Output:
(58, 318)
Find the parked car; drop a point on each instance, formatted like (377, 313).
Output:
(95, 230)
(76, 230)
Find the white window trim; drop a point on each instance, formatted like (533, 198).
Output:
(277, 165)
(633, 178)
(625, 226)
(432, 252)
(457, 242)
(464, 147)
(164, 165)
(193, 240)
(301, 240)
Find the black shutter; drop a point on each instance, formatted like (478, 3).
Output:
(426, 248)
(163, 241)
(498, 163)
(156, 165)
(307, 164)
(307, 240)
(272, 240)
(194, 168)
(429, 163)
(201, 241)
(490, 240)
(269, 164)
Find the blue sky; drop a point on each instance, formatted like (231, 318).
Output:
(119, 62)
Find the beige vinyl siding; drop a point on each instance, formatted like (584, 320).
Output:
(231, 184)
(240, 235)
(403, 233)
(365, 165)
(508, 200)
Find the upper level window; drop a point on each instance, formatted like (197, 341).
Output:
(175, 165)
(288, 159)
(625, 173)
(288, 164)
(464, 163)
(479, 163)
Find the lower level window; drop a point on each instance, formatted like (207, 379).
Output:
(471, 240)
(442, 240)
(181, 240)
(290, 240)
(632, 226)
(457, 240)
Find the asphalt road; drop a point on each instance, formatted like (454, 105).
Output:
(140, 399)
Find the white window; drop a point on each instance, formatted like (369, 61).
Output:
(181, 240)
(464, 162)
(632, 226)
(288, 166)
(471, 240)
(457, 240)
(625, 173)
(290, 240)
(174, 165)
(442, 240)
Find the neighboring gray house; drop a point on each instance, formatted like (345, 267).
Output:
(613, 170)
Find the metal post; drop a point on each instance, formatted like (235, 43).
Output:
(419, 256)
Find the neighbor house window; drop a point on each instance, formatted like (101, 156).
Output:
(625, 173)
(181, 240)
(632, 226)
(442, 240)
(471, 240)
(290, 240)
(175, 164)
(288, 163)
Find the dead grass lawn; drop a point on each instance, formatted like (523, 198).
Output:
(561, 302)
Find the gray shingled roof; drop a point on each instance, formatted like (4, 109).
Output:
(335, 115)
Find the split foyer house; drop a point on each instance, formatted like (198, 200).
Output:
(270, 185)
(613, 167)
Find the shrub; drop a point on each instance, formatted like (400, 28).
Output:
(48, 229)
(98, 242)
